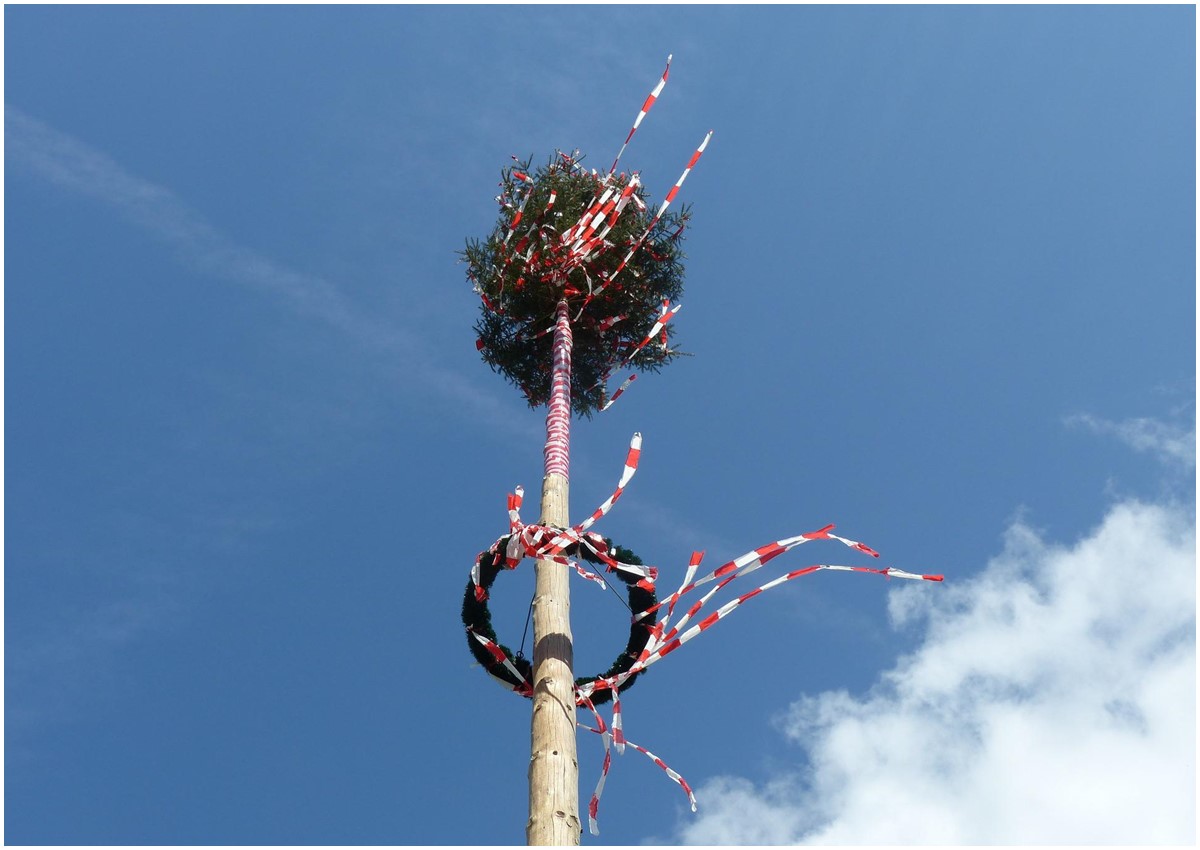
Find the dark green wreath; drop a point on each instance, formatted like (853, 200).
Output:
(476, 617)
(520, 283)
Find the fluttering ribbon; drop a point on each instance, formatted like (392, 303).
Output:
(621, 389)
(659, 329)
(547, 543)
(616, 738)
(658, 215)
(653, 96)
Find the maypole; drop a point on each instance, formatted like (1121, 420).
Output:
(553, 767)
(578, 281)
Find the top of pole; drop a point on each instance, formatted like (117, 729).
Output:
(569, 234)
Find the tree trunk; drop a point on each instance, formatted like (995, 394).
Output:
(553, 768)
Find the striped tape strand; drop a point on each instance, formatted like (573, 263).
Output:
(653, 96)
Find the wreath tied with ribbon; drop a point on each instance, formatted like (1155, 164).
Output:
(652, 633)
(517, 674)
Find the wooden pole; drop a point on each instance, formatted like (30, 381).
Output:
(553, 767)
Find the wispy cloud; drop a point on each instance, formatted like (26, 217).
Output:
(71, 651)
(1170, 443)
(145, 570)
(75, 166)
(50, 662)
(1051, 700)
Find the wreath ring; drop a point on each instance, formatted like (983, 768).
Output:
(478, 620)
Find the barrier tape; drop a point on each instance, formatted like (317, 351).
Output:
(546, 543)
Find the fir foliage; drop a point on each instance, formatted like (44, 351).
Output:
(521, 272)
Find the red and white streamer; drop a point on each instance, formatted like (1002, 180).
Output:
(545, 543)
(658, 215)
(653, 96)
(659, 329)
(524, 688)
(620, 390)
(615, 737)
(631, 464)
(668, 314)
(548, 543)
(665, 641)
(607, 322)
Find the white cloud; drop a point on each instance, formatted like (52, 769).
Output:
(1170, 443)
(1051, 700)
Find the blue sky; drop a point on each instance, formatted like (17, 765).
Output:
(941, 292)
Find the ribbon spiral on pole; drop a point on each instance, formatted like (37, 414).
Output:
(558, 418)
